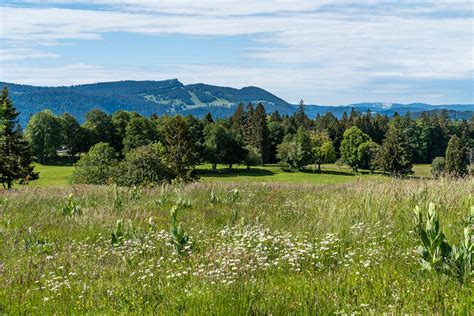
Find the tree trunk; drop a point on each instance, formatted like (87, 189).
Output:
(9, 185)
(248, 167)
(319, 166)
(214, 167)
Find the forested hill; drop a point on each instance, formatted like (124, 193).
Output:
(144, 97)
(171, 96)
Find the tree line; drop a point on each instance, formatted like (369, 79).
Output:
(128, 148)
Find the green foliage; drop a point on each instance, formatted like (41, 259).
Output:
(295, 152)
(222, 145)
(45, 134)
(99, 128)
(435, 252)
(181, 153)
(97, 166)
(15, 152)
(456, 158)
(118, 235)
(70, 209)
(367, 155)
(395, 155)
(253, 157)
(179, 237)
(322, 148)
(73, 135)
(437, 167)
(145, 165)
(352, 139)
(139, 132)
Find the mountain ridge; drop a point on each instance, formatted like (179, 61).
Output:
(170, 96)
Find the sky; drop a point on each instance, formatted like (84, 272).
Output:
(324, 52)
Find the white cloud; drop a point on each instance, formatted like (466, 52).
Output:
(325, 45)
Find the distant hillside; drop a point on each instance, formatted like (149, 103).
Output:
(144, 97)
(171, 97)
(455, 111)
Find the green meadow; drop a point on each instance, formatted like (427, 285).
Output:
(236, 242)
(59, 174)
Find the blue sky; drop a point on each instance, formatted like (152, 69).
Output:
(326, 52)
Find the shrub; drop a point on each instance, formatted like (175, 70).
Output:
(437, 167)
(144, 165)
(96, 166)
(253, 157)
(366, 154)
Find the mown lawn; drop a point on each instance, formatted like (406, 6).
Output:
(254, 248)
(52, 175)
(59, 174)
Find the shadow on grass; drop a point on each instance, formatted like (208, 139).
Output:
(224, 173)
(329, 172)
(60, 163)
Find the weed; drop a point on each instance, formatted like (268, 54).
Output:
(179, 238)
(70, 209)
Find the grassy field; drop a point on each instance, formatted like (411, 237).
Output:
(58, 175)
(254, 248)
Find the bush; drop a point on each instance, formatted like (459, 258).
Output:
(367, 153)
(96, 166)
(437, 167)
(144, 165)
(253, 157)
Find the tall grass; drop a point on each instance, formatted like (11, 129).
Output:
(257, 248)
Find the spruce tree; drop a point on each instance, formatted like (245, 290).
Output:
(180, 146)
(260, 132)
(301, 119)
(395, 154)
(16, 157)
(456, 162)
(238, 120)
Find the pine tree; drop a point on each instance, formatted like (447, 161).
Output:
(180, 146)
(208, 118)
(395, 154)
(248, 130)
(260, 132)
(456, 162)
(238, 120)
(16, 157)
(300, 116)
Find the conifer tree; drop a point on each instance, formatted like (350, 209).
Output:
(238, 120)
(15, 157)
(260, 132)
(180, 146)
(395, 154)
(456, 162)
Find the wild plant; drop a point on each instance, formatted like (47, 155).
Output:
(179, 237)
(234, 216)
(70, 209)
(234, 196)
(462, 257)
(435, 252)
(214, 198)
(118, 198)
(182, 202)
(135, 193)
(118, 234)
